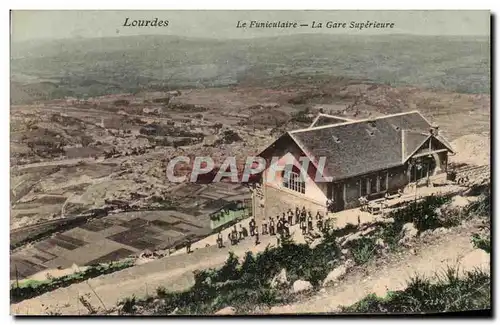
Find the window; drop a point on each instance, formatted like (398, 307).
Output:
(383, 182)
(294, 182)
(363, 187)
(421, 168)
(373, 184)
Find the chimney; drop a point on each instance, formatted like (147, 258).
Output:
(434, 130)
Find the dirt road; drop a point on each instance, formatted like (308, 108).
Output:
(173, 273)
(176, 273)
(452, 249)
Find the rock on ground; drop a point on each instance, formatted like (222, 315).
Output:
(280, 280)
(408, 232)
(298, 238)
(477, 257)
(440, 231)
(459, 202)
(335, 275)
(226, 311)
(380, 243)
(301, 285)
(316, 242)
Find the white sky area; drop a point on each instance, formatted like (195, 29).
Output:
(51, 24)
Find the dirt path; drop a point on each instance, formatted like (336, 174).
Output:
(173, 272)
(452, 249)
(176, 273)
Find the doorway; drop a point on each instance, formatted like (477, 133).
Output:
(422, 168)
(336, 194)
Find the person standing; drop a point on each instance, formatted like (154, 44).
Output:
(245, 232)
(251, 225)
(286, 228)
(309, 221)
(271, 226)
(279, 227)
(303, 226)
(188, 246)
(241, 232)
(234, 235)
(303, 214)
(297, 215)
(290, 217)
(264, 227)
(319, 221)
(219, 240)
(326, 224)
(256, 232)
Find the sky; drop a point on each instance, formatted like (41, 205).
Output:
(49, 24)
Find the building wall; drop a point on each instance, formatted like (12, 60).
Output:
(398, 178)
(441, 162)
(236, 211)
(351, 192)
(279, 200)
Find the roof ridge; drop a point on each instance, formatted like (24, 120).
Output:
(316, 119)
(357, 121)
(418, 147)
(415, 131)
(335, 116)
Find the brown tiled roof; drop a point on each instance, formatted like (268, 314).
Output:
(412, 140)
(359, 147)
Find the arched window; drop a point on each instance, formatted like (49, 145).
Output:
(292, 180)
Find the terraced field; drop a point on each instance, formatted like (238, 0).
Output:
(107, 239)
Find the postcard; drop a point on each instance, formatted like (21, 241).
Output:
(310, 162)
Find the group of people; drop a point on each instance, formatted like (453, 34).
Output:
(236, 235)
(279, 226)
(302, 217)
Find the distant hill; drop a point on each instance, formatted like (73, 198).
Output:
(92, 67)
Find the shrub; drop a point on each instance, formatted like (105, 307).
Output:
(248, 284)
(363, 249)
(481, 242)
(422, 214)
(121, 102)
(449, 293)
(482, 206)
(302, 116)
(230, 269)
(161, 291)
(31, 288)
(228, 137)
(129, 304)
